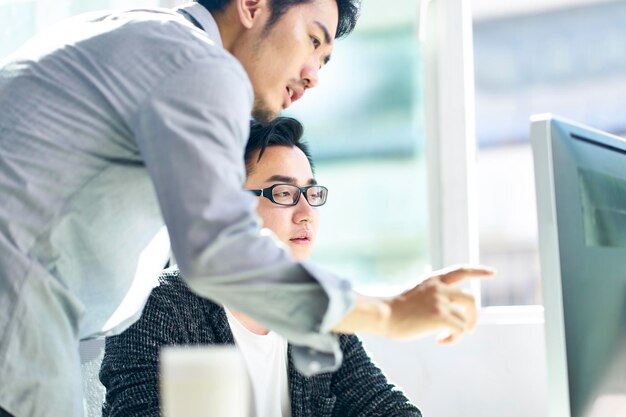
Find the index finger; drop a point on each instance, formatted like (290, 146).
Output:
(458, 274)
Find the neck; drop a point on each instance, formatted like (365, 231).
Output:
(229, 27)
(249, 323)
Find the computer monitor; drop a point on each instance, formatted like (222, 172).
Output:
(580, 178)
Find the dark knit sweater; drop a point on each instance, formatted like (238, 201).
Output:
(175, 316)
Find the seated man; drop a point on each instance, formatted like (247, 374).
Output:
(280, 172)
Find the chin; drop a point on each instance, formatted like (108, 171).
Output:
(262, 111)
(300, 255)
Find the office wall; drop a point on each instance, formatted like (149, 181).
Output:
(499, 371)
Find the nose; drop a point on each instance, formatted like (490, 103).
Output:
(303, 212)
(310, 75)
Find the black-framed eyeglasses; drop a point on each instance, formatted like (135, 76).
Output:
(289, 194)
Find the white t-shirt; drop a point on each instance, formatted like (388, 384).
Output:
(266, 359)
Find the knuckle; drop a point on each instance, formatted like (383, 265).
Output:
(438, 309)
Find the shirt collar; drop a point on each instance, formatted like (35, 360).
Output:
(199, 13)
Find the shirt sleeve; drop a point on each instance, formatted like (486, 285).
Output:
(362, 389)
(191, 132)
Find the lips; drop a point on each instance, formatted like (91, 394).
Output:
(292, 94)
(298, 92)
(302, 237)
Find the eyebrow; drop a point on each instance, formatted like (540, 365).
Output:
(327, 37)
(288, 180)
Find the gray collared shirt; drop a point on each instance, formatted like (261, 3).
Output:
(113, 124)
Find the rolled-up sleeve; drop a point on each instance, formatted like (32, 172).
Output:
(192, 132)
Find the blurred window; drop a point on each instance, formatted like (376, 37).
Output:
(570, 61)
(21, 19)
(364, 124)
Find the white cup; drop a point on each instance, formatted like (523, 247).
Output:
(204, 381)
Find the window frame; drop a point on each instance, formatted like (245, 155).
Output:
(445, 29)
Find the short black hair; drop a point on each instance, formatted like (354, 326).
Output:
(348, 11)
(282, 131)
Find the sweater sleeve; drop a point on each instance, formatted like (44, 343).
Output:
(362, 389)
(129, 369)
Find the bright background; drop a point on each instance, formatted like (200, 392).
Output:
(419, 127)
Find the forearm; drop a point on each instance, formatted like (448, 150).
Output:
(433, 305)
(130, 378)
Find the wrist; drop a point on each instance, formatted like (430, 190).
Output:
(383, 318)
(370, 315)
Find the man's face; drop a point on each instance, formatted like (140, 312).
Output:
(296, 226)
(286, 58)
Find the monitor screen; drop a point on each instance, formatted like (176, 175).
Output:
(580, 179)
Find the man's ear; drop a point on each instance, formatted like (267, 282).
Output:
(251, 11)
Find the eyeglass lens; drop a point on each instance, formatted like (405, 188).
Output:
(288, 194)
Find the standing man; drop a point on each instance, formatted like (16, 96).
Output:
(113, 123)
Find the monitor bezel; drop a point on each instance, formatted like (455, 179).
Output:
(545, 130)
